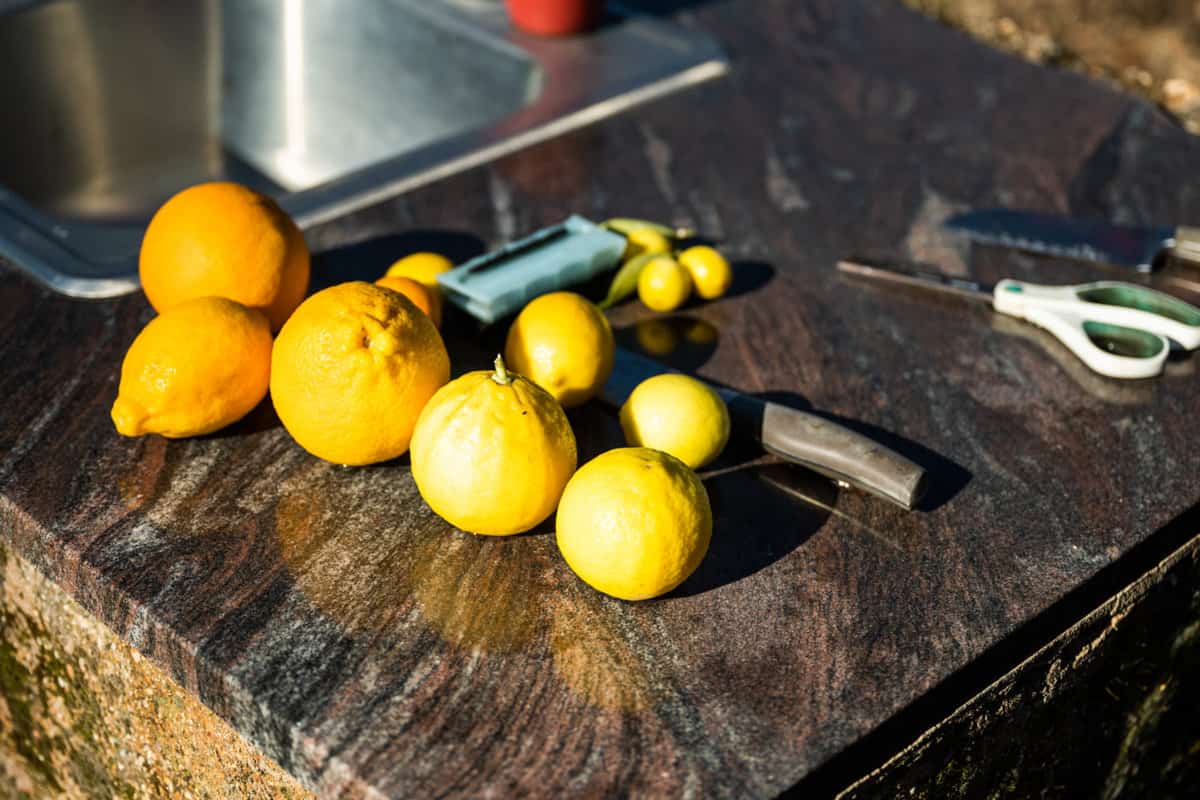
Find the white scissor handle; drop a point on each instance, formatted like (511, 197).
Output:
(1118, 329)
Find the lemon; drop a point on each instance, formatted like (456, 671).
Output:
(492, 452)
(663, 284)
(634, 523)
(194, 369)
(227, 240)
(351, 371)
(422, 268)
(646, 240)
(711, 273)
(564, 344)
(677, 414)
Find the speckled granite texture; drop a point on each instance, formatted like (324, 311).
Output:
(373, 651)
(83, 715)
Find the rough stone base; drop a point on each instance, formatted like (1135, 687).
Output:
(82, 714)
(1110, 709)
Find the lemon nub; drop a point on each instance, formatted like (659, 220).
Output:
(501, 376)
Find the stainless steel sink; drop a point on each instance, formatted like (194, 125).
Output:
(113, 105)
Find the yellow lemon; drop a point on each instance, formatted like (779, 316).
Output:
(677, 414)
(194, 369)
(634, 523)
(227, 240)
(663, 284)
(646, 240)
(711, 273)
(492, 452)
(421, 295)
(351, 371)
(564, 344)
(422, 268)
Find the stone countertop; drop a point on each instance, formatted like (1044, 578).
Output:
(372, 650)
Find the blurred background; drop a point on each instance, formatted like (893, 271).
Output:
(1149, 47)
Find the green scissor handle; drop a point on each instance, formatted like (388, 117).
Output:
(1118, 329)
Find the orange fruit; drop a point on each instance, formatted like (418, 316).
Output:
(194, 369)
(226, 240)
(351, 371)
(421, 296)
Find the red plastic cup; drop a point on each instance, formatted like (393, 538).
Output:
(554, 17)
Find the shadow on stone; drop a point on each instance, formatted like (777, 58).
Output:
(756, 523)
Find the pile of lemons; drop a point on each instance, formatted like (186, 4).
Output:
(358, 373)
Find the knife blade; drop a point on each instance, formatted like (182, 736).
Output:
(797, 436)
(1139, 248)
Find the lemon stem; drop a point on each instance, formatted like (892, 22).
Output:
(501, 375)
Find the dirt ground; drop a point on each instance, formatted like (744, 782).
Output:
(1151, 47)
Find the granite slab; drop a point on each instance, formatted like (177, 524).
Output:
(373, 651)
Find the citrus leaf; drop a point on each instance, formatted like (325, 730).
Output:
(624, 283)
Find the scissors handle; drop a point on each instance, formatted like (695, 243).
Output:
(1118, 329)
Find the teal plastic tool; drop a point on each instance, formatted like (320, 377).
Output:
(501, 282)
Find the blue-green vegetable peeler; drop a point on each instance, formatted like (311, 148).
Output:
(501, 282)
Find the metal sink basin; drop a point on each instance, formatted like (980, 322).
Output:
(114, 105)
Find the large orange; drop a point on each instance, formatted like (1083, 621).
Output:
(226, 240)
(351, 371)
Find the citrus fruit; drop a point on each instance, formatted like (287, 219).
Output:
(194, 369)
(677, 414)
(663, 284)
(226, 240)
(420, 295)
(423, 268)
(646, 240)
(564, 344)
(634, 523)
(351, 371)
(492, 452)
(711, 273)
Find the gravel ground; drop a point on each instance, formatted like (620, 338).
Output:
(1150, 47)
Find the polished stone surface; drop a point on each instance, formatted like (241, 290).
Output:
(374, 651)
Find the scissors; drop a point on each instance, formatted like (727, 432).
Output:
(1117, 329)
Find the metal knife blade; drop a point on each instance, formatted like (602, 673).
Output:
(798, 436)
(1069, 237)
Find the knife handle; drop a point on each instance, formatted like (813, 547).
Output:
(828, 448)
(1185, 244)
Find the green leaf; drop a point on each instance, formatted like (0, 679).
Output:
(624, 283)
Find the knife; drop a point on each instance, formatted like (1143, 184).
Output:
(1142, 249)
(797, 436)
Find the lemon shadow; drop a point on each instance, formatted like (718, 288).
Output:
(679, 341)
(757, 521)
